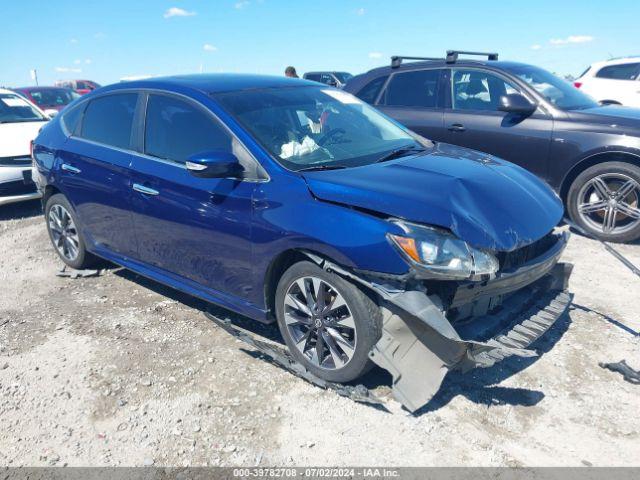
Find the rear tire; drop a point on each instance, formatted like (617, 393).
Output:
(331, 334)
(66, 237)
(604, 200)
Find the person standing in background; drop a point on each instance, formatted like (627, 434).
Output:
(290, 72)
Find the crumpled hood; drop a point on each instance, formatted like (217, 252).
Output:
(487, 202)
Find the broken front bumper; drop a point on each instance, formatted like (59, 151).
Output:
(422, 341)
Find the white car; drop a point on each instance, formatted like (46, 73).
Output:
(20, 122)
(613, 81)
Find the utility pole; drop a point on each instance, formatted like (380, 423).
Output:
(34, 76)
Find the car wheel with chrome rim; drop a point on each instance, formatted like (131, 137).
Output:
(605, 201)
(329, 324)
(64, 233)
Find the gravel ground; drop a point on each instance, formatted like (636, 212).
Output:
(118, 370)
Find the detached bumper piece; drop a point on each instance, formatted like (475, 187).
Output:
(419, 345)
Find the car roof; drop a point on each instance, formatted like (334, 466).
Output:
(616, 61)
(221, 82)
(6, 90)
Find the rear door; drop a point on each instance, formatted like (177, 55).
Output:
(95, 170)
(414, 99)
(474, 121)
(196, 228)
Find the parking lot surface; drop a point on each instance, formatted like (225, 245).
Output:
(119, 370)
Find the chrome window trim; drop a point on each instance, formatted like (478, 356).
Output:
(165, 161)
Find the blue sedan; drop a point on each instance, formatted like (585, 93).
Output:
(288, 201)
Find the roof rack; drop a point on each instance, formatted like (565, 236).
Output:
(452, 55)
(397, 60)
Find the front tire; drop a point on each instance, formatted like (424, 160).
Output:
(66, 237)
(329, 324)
(604, 200)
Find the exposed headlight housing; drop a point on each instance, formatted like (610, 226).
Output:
(439, 254)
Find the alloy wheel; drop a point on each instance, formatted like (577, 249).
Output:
(610, 203)
(64, 232)
(320, 322)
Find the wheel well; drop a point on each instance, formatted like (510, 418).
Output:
(49, 191)
(278, 266)
(595, 160)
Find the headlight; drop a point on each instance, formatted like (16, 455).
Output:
(439, 254)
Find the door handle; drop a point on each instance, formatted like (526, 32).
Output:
(457, 127)
(145, 190)
(70, 168)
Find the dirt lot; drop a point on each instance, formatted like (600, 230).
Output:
(117, 370)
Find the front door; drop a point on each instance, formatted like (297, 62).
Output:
(195, 228)
(474, 121)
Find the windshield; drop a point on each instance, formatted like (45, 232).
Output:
(14, 108)
(53, 97)
(315, 127)
(343, 76)
(557, 91)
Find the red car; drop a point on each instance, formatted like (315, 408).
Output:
(80, 86)
(48, 98)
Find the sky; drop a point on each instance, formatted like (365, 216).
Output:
(108, 40)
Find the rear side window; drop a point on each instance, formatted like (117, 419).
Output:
(109, 119)
(176, 130)
(627, 71)
(370, 91)
(413, 89)
(70, 118)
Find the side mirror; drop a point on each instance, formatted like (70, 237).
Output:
(51, 112)
(214, 164)
(516, 103)
(332, 83)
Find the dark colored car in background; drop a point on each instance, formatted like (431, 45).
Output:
(79, 86)
(286, 200)
(334, 79)
(589, 153)
(48, 98)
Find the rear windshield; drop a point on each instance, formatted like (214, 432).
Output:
(53, 97)
(14, 108)
(343, 77)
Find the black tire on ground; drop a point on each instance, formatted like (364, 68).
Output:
(621, 168)
(366, 315)
(84, 259)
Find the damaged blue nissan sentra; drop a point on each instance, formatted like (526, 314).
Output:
(288, 201)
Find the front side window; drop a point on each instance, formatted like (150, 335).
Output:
(478, 90)
(316, 127)
(109, 119)
(555, 90)
(625, 71)
(413, 89)
(175, 130)
(14, 109)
